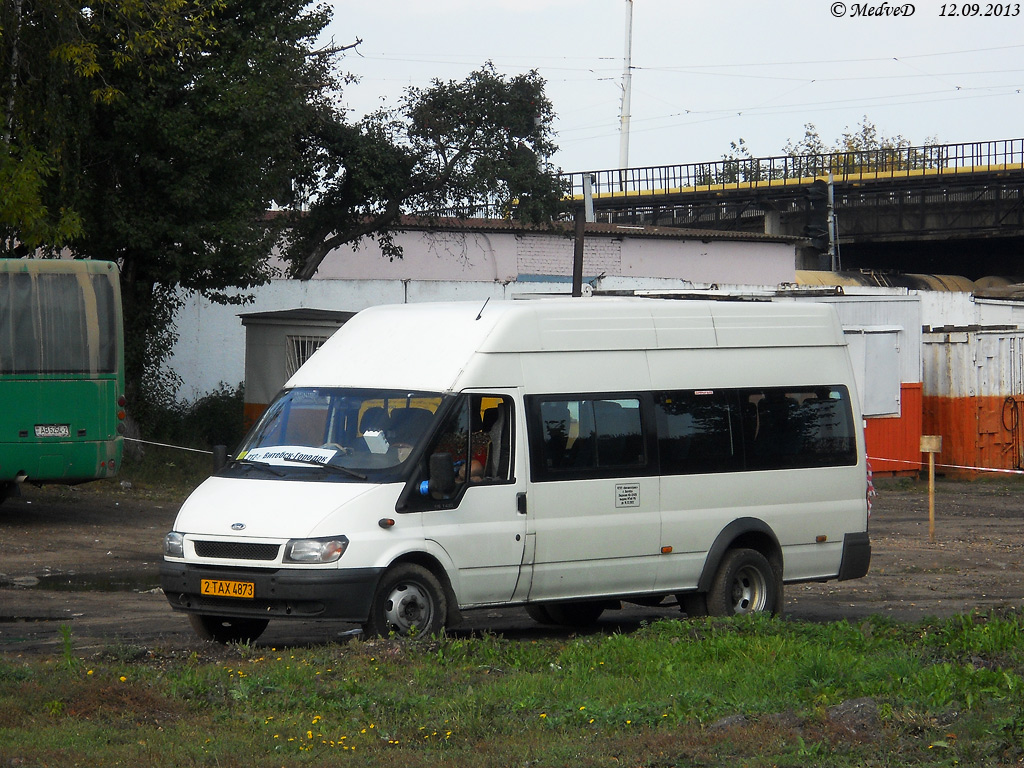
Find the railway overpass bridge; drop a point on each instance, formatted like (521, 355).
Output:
(942, 209)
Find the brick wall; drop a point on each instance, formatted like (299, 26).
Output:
(552, 255)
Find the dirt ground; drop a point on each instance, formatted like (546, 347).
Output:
(85, 561)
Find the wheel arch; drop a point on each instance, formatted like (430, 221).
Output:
(432, 564)
(747, 533)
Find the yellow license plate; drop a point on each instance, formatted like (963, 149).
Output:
(218, 588)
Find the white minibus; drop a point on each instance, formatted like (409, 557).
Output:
(566, 455)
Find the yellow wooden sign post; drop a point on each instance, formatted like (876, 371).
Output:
(931, 444)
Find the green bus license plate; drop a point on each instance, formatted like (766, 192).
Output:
(53, 430)
(217, 588)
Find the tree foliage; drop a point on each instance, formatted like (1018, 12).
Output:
(444, 150)
(865, 137)
(160, 134)
(863, 149)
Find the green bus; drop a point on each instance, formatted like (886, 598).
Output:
(61, 371)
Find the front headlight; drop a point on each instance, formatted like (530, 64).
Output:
(174, 544)
(326, 550)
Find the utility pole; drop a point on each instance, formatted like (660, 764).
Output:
(627, 78)
(833, 228)
(580, 222)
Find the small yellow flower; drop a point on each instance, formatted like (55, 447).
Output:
(124, 679)
(543, 715)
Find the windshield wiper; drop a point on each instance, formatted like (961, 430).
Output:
(324, 465)
(259, 465)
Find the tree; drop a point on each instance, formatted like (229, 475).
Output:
(178, 174)
(162, 134)
(810, 144)
(446, 149)
(863, 148)
(56, 58)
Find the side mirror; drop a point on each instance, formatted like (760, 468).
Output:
(442, 475)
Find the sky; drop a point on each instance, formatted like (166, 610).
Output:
(706, 73)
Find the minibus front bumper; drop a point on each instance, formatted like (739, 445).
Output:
(344, 593)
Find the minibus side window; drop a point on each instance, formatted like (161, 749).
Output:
(755, 428)
(478, 436)
(587, 436)
(698, 432)
(800, 427)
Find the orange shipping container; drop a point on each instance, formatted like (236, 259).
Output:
(973, 395)
(893, 444)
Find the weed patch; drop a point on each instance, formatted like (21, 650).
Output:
(759, 690)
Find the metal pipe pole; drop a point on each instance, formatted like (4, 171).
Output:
(627, 78)
(580, 220)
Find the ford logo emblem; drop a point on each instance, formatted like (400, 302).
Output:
(238, 526)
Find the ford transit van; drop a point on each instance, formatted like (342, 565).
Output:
(567, 455)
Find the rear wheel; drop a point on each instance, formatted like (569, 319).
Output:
(745, 583)
(225, 629)
(408, 600)
(7, 489)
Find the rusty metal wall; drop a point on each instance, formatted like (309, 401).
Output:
(973, 397)
(893, 444)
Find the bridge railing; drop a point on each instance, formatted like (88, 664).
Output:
(800, 170)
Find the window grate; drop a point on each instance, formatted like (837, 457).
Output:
(299, 349)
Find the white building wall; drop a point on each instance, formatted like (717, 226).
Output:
(472, 266)
(508, 256)
(939, 308)
(211, 340)
(963, 310)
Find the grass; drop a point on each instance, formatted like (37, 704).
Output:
(157, 474)
(171, 472)
(752, 691)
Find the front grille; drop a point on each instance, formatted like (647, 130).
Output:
(231, 550)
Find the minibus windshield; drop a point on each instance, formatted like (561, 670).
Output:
(337, 434)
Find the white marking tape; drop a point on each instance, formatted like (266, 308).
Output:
(949, 466)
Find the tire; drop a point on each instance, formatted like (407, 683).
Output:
(745, 583)
(540, 613)
(226, 629)
(409, 601)
(582, 614)
(693, 604)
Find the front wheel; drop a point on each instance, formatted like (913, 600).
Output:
(409, 600)
(745, 583)
(225, 629)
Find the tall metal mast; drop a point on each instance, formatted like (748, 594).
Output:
(627, 77)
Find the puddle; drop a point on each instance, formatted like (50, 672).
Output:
(86, 582)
